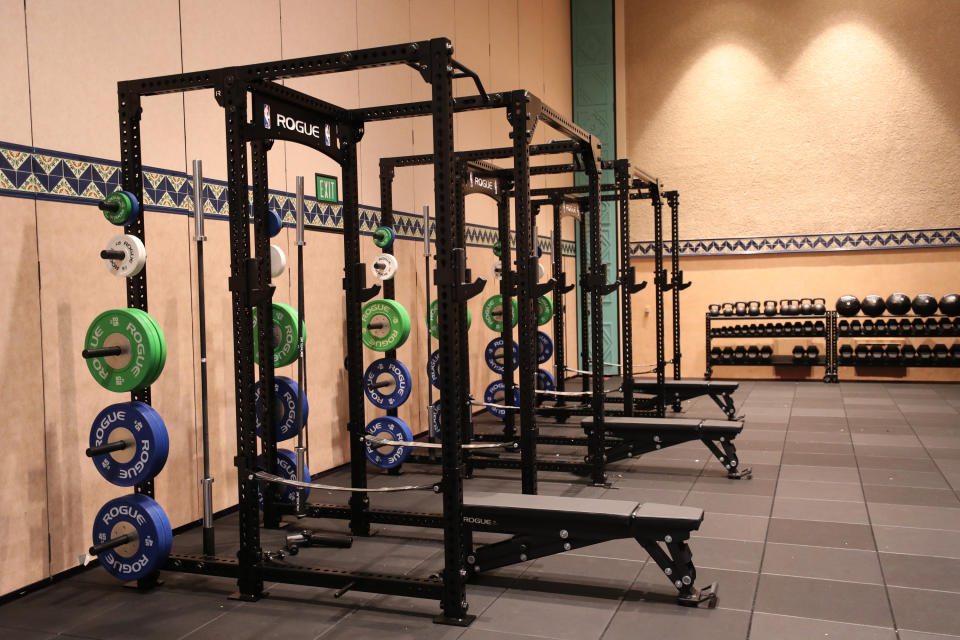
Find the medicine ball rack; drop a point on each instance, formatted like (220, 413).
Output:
(534, 521)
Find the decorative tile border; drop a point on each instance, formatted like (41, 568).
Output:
(854, 241)
(29, 172)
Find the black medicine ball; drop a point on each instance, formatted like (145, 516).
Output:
(873, 306)
(848, 305)
(924, 305)
(950, 304)
(898, 304)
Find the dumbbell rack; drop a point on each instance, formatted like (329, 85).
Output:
(826, 359)
(899, 338)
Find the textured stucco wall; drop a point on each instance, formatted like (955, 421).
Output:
(797, 116)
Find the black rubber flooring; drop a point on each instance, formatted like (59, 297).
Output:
(849, 528)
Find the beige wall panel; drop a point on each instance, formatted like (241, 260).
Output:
(75, 66)
(530, 33)
(829, 275)
(794, 120)
(248, 32)
(23, 478)
(15, 99)
(620, 69)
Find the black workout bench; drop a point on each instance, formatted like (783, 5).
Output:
(546, 525)
(634, 436)
(676, 391)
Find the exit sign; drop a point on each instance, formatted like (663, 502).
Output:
(326, 188)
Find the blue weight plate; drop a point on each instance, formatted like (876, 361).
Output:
(544, 347)
(433, 368)
(545, 380)
(146, 453)
(490, 396)
(493, 355)
(133, 514)
(274, 223)
(287, 399)
(435, 421)
(286, 468)
(388, 428)
(397, 372)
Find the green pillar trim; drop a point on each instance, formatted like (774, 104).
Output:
(594, 109)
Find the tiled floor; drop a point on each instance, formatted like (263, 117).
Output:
(849, 529)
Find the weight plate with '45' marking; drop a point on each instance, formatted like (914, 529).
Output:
(138, 436)
(138, 354)
(386, 382)
(493, 355)
(495, 395)
(544, 347)
(134, 255)
(145, 526)
(285, 406)
(286, 335)
(388, 428)
(286, 468)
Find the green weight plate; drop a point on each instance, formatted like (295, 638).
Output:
(395, 321)
(161, 360)
(132, 369)
(125, 213)
(432, 318)
(383, 237)
(286, 348)
(493, 305)
(544, 310)
(497, 250)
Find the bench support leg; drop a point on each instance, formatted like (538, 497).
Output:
(676, 562)
(725, 402)
(728, 458)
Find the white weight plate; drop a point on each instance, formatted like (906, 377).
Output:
(278, 261)
(384, 266)
(497, 270)
(135, 255)
(540, 272)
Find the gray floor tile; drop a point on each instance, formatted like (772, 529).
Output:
(904, 478)
(819, 490)
(819, 474)
(734, 555)
(733, 527)
(821, 510)
(665, 620)
(896, 464)
(724, 503)
(754, 486)
(838, 535)
(894, 450)
(931, 611)
(921, 572)
(552, 615)
(913, 516)
(735, 588)
(918, 542)
(822, 562)
(25, 634)
(911, 495)
(64, 607)
(804, 458)
(768, 626)
(824, 600)
(906, 634)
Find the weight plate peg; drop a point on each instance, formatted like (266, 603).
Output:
(128, 443)
(134, 255)
(386, 383)
(384, 266)
(132, 537)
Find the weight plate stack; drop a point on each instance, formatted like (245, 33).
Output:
(142, 353)
(388, 428)
(142, 430)
(286, 403)
(392, 373)
(544, 310)
(144, 519)
(493, 355)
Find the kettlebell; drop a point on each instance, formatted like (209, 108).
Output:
(806, 306)
(714, 309)
(770, 307)
(728, 308)
(740, 308)
(819, 306)
(753, 308)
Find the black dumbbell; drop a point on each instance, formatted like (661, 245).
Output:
(752, 330)
(739, 354)
(753, 353)
(940, 353)
(812, 353)
(861, 353)
(846, 354)
(893, 327)
(876, 353)
(726, 355)
(819, 329)
(778, 329)
(880, 327)
(808, 329)
(924, 353)
(799, 354)
(768, 328)
(715, 354)
(766, 353)
(868, 327)
(917, 327)
(856, 328)
(908, 354)
(932, 327)
(955, 353)
(843, 327)
(892, 354)
(946, 326)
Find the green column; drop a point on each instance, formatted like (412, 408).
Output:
(594, 109)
